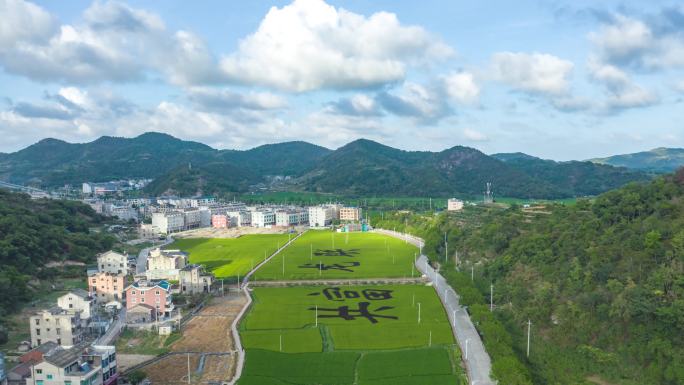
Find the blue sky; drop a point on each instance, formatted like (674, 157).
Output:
(560, 80)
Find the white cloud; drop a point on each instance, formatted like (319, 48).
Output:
(418, 102)
(24, 22)
(224, 100)
(357, 105)
(679, 86)
(653, 43)
(462, 88)
(474, 135)
(310, 45)
(622, 91)
(532, 72)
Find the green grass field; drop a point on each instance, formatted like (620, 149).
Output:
(228, 257)
(321, 254)
(285, 345)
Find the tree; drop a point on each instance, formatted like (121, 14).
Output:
(137, 377)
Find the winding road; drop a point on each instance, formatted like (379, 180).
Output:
(477, 361)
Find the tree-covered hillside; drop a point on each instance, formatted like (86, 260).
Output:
(660, 160)
(602, 282)
(34, 232)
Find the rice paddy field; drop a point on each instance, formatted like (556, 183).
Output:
(320, 254)
(349, 335)
(230, 257)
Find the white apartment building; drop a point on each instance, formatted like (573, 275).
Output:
(320, 216)
(78, 301)
(57, 325)
(192, 219)
(454, 204)
(112, 262)
(263, 218)
(287, 218)
(170, 222)
(165, 264)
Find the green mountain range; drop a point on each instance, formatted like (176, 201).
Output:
(660, 160)
(362, 167)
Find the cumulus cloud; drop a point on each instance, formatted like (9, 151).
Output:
(357, 105)
(310, 45)
(532, 72)
(462, 87)
(421, 103)
(113, 42)
(650, 42)
(622, 91)
(225, 100)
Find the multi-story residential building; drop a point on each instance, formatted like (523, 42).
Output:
(106, 287)
(286, 218)
(192, 219)
(219, 221)
(112, 262)
(78, 301)
(205, 217)
(165, 264)
(263, 218)
(57, 325)
(323, 215)
(78, 365)
(168, 222)
(351, 214)
(454, 204)
(193, 280)
(154, 295)
(147, 231)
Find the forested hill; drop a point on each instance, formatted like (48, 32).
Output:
(33, 232)
(362, 167)
(661, 160)
(602, 283)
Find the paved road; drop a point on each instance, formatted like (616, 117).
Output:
(114, 329)
(478, 363)
(141, 264)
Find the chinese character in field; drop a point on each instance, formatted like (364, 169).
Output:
(336, 252)
(345, 266)
(337, 294)
(348, 314)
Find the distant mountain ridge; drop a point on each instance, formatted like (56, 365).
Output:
(362, 167)
(661, 160)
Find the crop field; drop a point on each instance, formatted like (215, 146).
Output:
(348, 335)
(230, 257)
(331, 255)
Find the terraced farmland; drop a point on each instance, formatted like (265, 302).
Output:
(327, 255)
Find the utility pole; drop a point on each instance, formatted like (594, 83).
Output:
(529, 327)
(238, 281)
(472, 273)
(491, 297)
(418, 312)
(222, 292)
(311, 252)
(430, 340)
(316, 315)
(281, 342)
(188, 368)
(446, 247)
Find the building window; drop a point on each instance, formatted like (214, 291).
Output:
(37, 322)
(39, 371)
(37, 332)
(49, 376)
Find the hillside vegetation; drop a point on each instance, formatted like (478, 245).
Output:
(660, 160)
(34, 232)
(602, 282)
(360, 168)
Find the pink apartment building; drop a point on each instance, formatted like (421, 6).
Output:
(149, 297)
(107, 287)
(219, 221)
